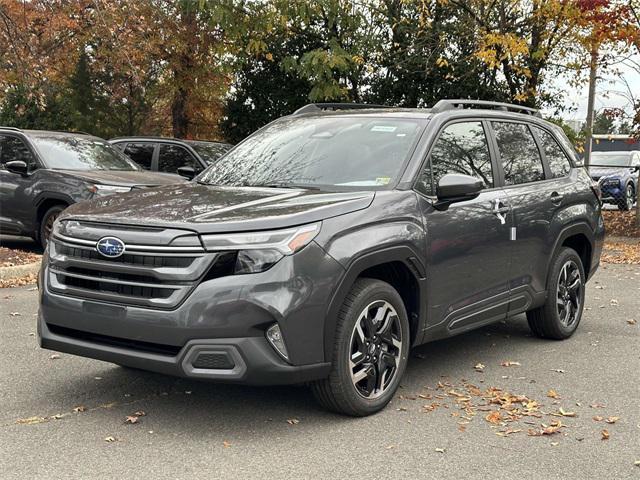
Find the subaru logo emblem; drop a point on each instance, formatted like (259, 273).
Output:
(111, 247)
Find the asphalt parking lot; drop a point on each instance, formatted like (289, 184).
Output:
(66, 417)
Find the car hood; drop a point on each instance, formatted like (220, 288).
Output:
(598, 172)
(124, 178)
(210, 209)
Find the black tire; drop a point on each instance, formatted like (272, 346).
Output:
(47, 223)
(629, 198)
(338, 392)
(554, 319)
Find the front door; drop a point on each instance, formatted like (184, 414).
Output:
(16, 204)
(468, 246)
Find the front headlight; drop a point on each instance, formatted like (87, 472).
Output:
(610, 182)
(286, 241)
(104, 190)
(259, 251)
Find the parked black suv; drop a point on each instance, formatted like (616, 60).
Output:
(42, 172)
(325, 245)
(160, 154)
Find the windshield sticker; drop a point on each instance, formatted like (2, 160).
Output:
(383, 180)
(383, 128)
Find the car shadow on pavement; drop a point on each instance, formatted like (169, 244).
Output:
(198, 406)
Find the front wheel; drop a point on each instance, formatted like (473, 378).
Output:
(46, 224)
(370, 351)
(629, 199)
(560, 316)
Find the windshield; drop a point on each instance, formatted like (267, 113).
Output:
(210, 152)
(345, 151)
(612, 159)
(80, 153)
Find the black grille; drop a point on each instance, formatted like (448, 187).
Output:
(214, 361)
(126, 258)
(171, 350)
(117, 288)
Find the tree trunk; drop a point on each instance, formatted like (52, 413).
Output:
(179, 114)
(593, 70)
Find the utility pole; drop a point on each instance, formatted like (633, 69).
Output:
(593, 70)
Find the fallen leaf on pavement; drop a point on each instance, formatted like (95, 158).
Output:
(110, 439)
(293, 421)
(510, 364)
(15, 314)
(612, 419)
(131, 419)
(226, 444)
(557, 370)
(552, 394)
(440, 450)
(80, 408)
(566, 414)
(479, 367)
(494, 417)
(605, 434)
(140, 413)
(55, 356)
(31, 420)
(631, 321)
(598, 418)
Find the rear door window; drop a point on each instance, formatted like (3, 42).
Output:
(172, 157)
(519, 153)
(558, 161)
(461, 148)
(141, 153)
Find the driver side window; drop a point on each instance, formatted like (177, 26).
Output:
(461, 148)
(12, 148)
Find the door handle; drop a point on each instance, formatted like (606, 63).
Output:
(556, 198)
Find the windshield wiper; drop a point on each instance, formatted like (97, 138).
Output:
(284, 185)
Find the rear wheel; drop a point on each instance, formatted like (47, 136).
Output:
(560, 316)
(370, 352)
(46, 224)
(627, 202)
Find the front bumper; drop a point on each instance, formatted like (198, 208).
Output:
(254, 361)
(225, 318)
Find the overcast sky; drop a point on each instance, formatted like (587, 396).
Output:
(609, 92)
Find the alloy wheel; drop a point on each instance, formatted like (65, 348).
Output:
(569, 294)
(48, 226)
(630, 199)
(375, 349)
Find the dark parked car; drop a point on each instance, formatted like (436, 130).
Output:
(617, 175)
(41, 173)
(328, 243)
(159, 154)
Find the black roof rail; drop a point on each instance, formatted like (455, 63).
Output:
(318, 107)
(447, 104)
(13, 129)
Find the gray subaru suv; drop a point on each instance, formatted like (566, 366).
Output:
(326, 245)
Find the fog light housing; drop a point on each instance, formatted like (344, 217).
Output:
(274, 336)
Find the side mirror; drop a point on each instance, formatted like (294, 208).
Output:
(17, 166)
(187, 172)
(455, 187)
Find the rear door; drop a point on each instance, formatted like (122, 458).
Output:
(143, 153)
(468, 243)
(538, 190)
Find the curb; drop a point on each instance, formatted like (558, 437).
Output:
(19, 271)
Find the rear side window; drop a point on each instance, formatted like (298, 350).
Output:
(172, 157)
(558, 161)
(141, 153)
(460, 148)
(12, 148)
(519, 153)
